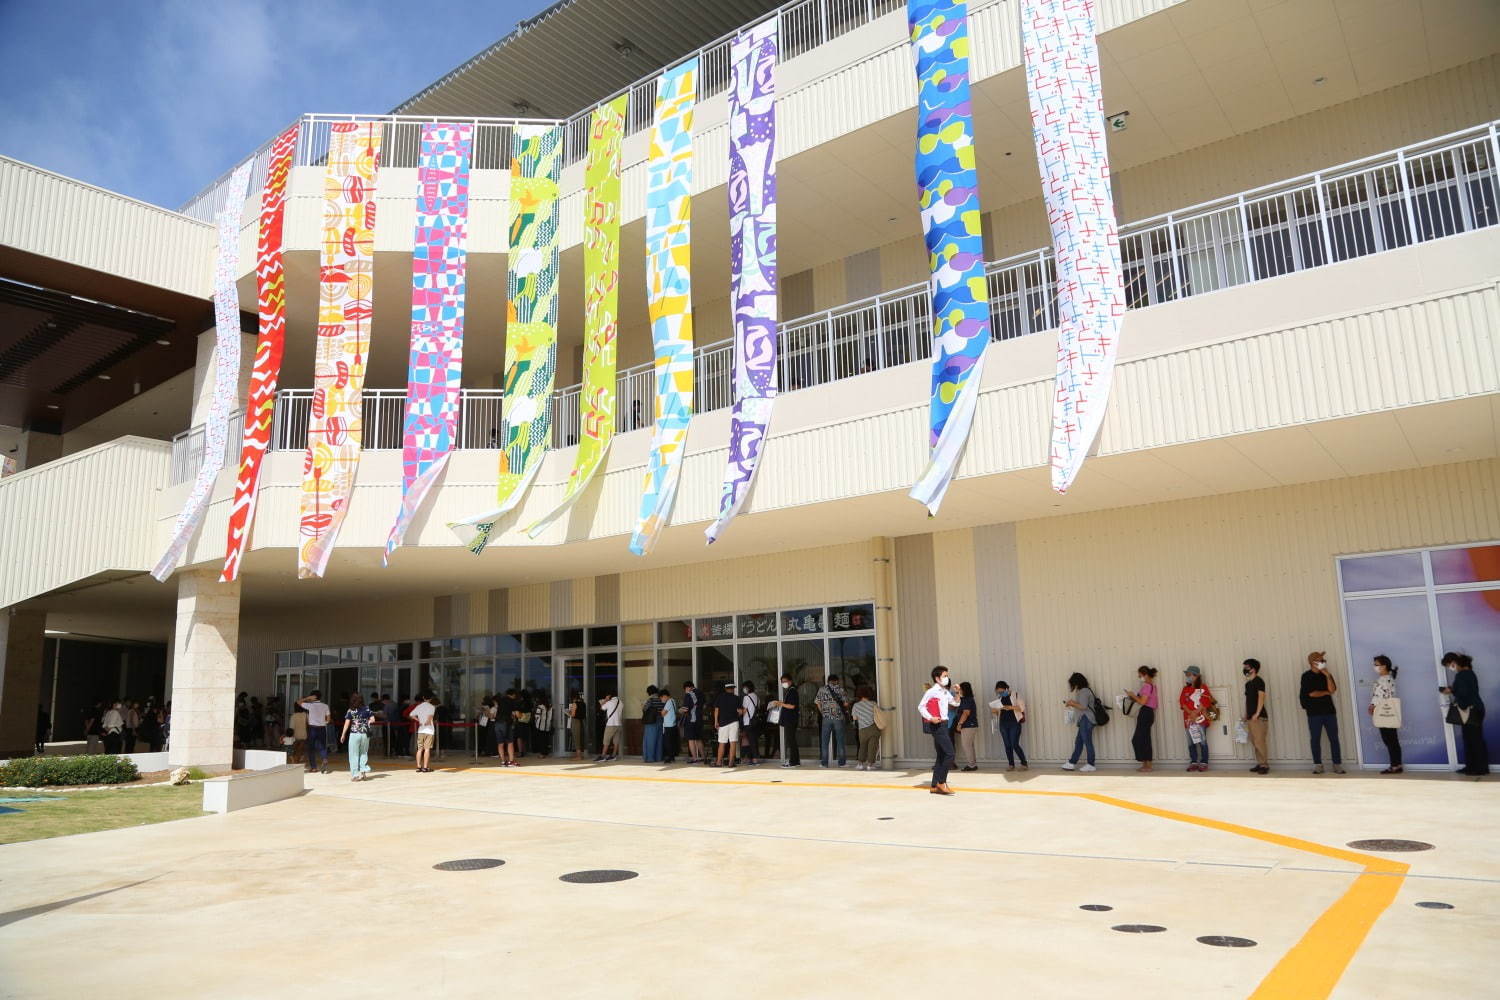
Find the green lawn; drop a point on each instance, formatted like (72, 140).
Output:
(85, 812)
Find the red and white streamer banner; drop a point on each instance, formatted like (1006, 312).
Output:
(226, 372)
(270, 288)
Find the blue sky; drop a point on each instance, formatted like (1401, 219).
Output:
(156, 98)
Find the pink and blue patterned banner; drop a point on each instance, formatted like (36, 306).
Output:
(439, 261)
(669, 294)
(948, 186)
(752, 258)
(1067, 119)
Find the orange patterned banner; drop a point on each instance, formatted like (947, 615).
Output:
(345, 310)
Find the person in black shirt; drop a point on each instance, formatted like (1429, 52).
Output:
(1318, 689)
(1256, 719)
(727, 721)
(788, 706)
(1470, 706)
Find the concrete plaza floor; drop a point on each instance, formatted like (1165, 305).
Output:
(799, 883)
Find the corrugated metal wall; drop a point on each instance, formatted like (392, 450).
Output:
(782, 580)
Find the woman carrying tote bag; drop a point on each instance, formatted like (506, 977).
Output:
(1385, 711)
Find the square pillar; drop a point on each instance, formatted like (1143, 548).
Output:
(205, 649)
(22, 641)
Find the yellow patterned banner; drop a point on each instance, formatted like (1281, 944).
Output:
(346, 306)
(601, 298)
(530, 323)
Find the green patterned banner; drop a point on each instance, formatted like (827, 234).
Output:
(530, 323)
(601, 298)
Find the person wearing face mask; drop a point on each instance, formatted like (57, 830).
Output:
(1385, 711)
(787, 703)
(1009, 712)
(1256, 719)
(935, 706)
(1195, 700)
(1318, 689)
(1081, 700)
(1147, 701)
(1467, 713)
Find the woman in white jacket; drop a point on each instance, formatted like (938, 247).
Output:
(1009, 712)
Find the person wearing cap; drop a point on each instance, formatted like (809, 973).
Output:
(1195, 702)
(727, 712)
(1318, 689)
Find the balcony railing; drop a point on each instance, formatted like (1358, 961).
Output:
(1415, 194)
(804, 25)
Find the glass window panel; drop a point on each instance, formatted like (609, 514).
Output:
(369, 654)
(404, 652)
(1401, 628)
(805, 622)
(429, 648)
(388, 653)
(803, 660)
(537, 673)
(510, 643)
(1361, 573)
(674, 667)
(507, 674)
(330, 657)
(851, 617)
(351, 654)
(295, 658)
(715, 666)
(283, 660)
(674, 631)
(853, 658)
(1469, 622)
(1474, 564)
(538, 642)
(369, 681)
(569, 638)
(756, 625)
(478, 644)
(637, 635)
(481, 683)
(448, 684)
(635, 675)
(709, 629)
(605, 635)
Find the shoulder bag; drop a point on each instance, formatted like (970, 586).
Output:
(1387, 714)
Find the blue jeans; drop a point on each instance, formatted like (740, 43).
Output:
(1010, 732)
(831, 730)
(1316, 724)
(1084, 740)
(651, 743)
(1198, 752)
(317, 747)
(359, 753)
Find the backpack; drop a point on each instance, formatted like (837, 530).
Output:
(651, 711)
(1101, 713)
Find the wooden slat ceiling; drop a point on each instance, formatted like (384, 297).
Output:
(565, 59)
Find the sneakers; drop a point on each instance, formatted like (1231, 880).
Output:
(787, 764)
(1011, 768)
(1086, 767)
(1069, 766)
(975, 768)
(1261, 770)
(1317, 769)
(1339, 769)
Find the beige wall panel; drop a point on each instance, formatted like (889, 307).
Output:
(1106, 592)
(789, 579)
(957, 606)
(829, 286)
(529, 607)
(583, 606)
(348, 623)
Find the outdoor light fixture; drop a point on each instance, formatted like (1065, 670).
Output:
(521, 107)
(165, 343)
(104, 378)
(624, 49)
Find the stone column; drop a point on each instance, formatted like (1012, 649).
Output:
(204, 667)
(22, 640)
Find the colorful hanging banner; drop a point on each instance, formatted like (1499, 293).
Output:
(601, 302)
(531, 323)
(1067, 119)
(438, 262)
(948, 193)
(752, 258)
(345, 308)
(669, 294)
(270, 289)
(226, 372)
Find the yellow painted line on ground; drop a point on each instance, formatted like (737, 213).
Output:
(1309, 970)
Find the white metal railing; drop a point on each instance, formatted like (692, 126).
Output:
(1422, 192)
(188, 447)
(804, 25)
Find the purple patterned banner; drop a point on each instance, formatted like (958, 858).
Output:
(438, 262)
(752, 258)
(1067, 120)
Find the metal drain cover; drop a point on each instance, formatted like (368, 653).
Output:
(468, 864)
(1389, 845)
(599, 875)
(1138, 928)
(1096, 907)
(1431, 905)
(1224, 941)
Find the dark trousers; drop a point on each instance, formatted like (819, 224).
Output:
(112, 742)
(1391, 737)
(750, 737)
(1140, 740)
(1476, 751)
(793, 752)
(671, 743)
(1010, 734)
(317, 747)
(942, 748)
(1316, 725)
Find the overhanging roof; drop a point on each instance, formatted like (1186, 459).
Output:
(578, 52)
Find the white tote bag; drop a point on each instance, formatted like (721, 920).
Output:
(1387, 714)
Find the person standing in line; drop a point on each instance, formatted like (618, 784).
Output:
(132, 723)
(651, 727)
(1387, 717)
(317, 731)
(1318, 689)
(692, 723)
(1256, 717)
(935, 708)
(750, 723)
(424, 714)
(867, 729)
(788, 720)
(671, 737)
(541, 725)
(1468, 708)
(112, 725)
(614, 711)
(299, 734)
(1195, 702)
(357, 734)
(727, 712)
(1147, 701)
(507, 708)
(967, 727)
(576, 708)
(1009, 712)
(489, 746)
(93, 732)
(1080, 701)
(150, 728)
(831, 703)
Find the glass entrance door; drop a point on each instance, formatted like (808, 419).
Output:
(602, 680)
(571, 668)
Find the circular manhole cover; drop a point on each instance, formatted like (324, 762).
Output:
(1138, 928)
(1389, 845)
(468, 864)
(1224, 941)
(599, 875)
(1096, 907)
(1428, 904)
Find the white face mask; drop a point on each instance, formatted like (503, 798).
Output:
(785, 686)
(945, 681)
